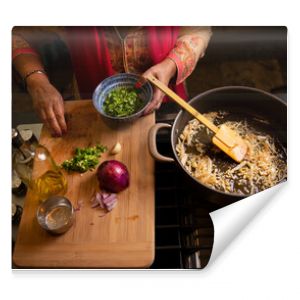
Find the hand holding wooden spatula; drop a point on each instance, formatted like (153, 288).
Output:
(224, 138)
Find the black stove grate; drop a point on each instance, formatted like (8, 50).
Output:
(183, 228)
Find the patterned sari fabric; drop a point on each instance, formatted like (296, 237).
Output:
(99, 52)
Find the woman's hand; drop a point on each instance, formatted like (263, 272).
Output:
(48, 103)
(163, 71)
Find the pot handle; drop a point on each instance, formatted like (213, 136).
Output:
(152, 142)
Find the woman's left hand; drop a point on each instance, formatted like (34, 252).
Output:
(163, 71)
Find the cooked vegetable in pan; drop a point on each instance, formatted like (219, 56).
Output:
(264, 165)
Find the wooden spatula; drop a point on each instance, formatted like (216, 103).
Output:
(225, 138)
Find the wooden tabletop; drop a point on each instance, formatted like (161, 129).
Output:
(124, 238)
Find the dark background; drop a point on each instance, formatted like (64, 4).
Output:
(250, 56)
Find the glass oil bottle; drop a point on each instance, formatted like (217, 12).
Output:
(37, 169)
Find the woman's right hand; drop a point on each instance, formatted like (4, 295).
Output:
(48, 103)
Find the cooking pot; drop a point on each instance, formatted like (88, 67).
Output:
(268, 111)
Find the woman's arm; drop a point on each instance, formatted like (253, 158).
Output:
(189, 48)
(163, 71)
(181, 61)
(46, 99)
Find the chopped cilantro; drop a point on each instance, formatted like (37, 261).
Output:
(84, 159)
(122, 102)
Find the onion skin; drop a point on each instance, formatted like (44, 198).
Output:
(113, 176)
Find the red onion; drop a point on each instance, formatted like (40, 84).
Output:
(113, 176)
(104, 201)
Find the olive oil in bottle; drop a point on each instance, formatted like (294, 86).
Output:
(37, 169)
(52, 182)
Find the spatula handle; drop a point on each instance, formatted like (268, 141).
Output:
(182, 103)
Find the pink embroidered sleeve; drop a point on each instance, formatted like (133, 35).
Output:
(190, 46)
(21, 46)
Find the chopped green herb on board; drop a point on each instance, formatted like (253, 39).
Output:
(84, 159)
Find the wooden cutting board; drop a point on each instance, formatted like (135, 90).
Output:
(124, 238)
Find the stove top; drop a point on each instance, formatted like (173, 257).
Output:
(183, 228)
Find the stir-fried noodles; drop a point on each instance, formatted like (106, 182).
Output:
(264, 165)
